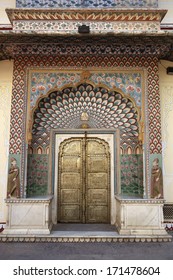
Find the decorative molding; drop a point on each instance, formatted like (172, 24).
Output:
(54, 239)
(138, 201)
(114, 46)
(64, 27)
(47, 199)
(85, 15)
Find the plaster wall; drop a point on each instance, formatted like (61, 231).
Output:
(168, 5)
(166, 93)
(6, 73)
(3, 5)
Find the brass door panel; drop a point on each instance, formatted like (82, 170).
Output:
(84, 181)
(97, 181)
(70, 181)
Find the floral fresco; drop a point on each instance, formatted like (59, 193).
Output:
(132, 175)
(37, 179)
(129, 83)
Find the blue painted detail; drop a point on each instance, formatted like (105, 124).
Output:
(86, 3)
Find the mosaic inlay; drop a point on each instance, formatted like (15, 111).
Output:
(129, 83)
(63, 109)
(86, 3)
(63, 27)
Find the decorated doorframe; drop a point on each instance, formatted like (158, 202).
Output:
(111, 137)
(129, 84)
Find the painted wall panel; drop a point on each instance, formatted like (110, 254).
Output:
(6, 72)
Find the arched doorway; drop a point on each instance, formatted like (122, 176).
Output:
(84, 180)
(107, 109)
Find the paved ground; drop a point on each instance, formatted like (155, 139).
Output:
(86, 251)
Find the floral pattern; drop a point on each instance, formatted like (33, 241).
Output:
(132, 175)
(37, 179)
(129, 83)
(86, 3)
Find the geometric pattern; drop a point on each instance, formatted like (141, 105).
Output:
(22, 63)
(116, 45)
(63, 109)
(86, 3)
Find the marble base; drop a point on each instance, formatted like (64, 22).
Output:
(29, 216)
(139, 216)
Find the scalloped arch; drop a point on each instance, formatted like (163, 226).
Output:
(62, 108)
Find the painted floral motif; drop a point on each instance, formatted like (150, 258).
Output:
(37, 179)
(132, 175)
(86, 3)
(130, 84)
(41, 83)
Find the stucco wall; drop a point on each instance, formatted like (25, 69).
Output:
(6, 71)
(3, 5)
(168, 5)
(166, 91)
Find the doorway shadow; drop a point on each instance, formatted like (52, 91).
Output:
(83, 227)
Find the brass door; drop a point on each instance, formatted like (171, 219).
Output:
(84, 181)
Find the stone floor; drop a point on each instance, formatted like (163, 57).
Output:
(83, 233)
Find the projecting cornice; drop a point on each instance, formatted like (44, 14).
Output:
(87, 14)
(126, 31)
(98, 21)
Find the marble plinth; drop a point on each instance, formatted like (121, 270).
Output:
(139, 216)
(29, 216)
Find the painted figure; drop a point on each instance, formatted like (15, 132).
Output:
(13, 187)
(156, 180)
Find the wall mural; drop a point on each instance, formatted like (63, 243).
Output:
(13, 184)
(37, 179)
(132, 175)
(156, 176)
(42, 82)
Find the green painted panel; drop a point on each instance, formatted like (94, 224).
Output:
(132, 175)
(37, 178)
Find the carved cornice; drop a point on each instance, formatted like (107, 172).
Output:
(87, 14)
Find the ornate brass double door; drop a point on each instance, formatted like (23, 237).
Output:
(84, 181)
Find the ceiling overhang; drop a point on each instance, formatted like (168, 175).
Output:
(127, 31)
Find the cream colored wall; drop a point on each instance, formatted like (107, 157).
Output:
(168, 5)
(166, 92)
(3, 5)
(6, 73)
